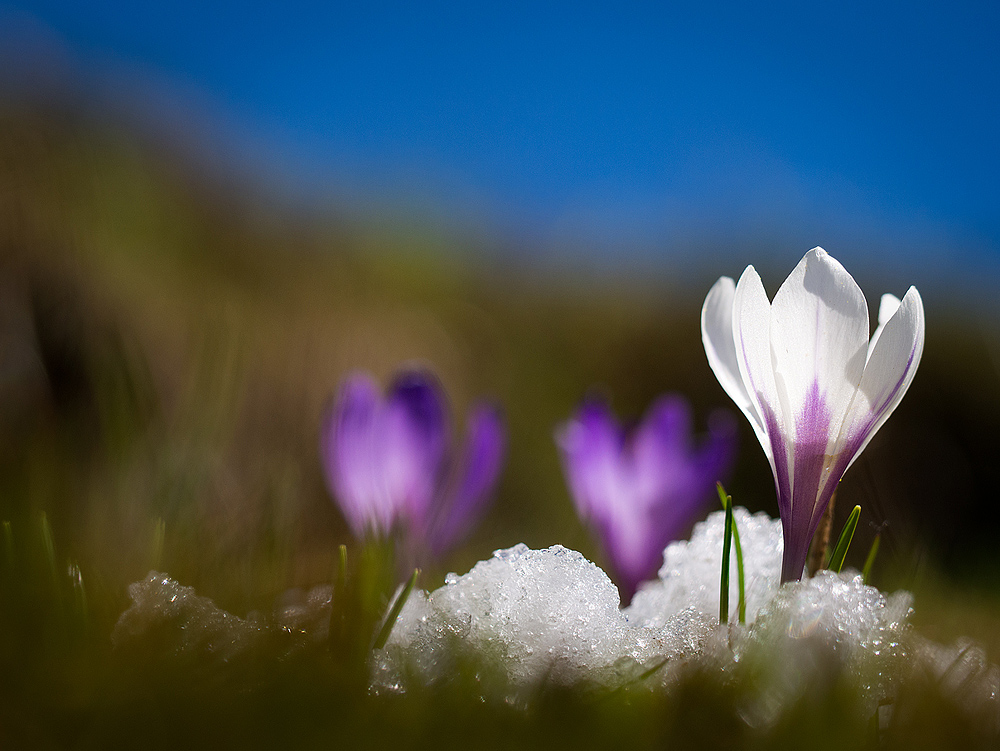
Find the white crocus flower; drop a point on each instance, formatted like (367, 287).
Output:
(806, 375)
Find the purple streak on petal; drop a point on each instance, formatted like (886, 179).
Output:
(414, 438)
(878, 411)
(811, 491)
(779, 450)
(349, 448)
(462, 505)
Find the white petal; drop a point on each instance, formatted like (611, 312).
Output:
(751, 336)
(819, 338)
(720, 347)
(886, 310)
(889, 372)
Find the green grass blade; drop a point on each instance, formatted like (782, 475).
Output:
(866, 572)
(847, 534)
(727, 500)
(727, 542)
(739, 569)
(395, 610)
(722, 494)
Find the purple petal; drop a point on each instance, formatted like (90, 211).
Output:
(608, 491)
(714, 459)
(660, 446)
(591, 444)
(381, 458)
(690, 487)
(350, 460)
(412, 443)
(641, 492)
(470, 492)
(612, 492)
(676, 478)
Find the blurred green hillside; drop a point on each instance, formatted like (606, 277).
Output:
(170, 338)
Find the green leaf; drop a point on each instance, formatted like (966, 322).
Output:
(866, 572)
(727, 542)
(739, 569)
(395, 610)
(722, 494)
(846, 535)
(727, 500)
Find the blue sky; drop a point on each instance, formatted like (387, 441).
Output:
(657, 126)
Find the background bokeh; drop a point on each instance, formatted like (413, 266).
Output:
(209, 216)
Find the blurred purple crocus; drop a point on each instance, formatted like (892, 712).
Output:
(641, 489)
(389, 461)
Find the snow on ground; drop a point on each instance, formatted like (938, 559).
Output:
(524, 618)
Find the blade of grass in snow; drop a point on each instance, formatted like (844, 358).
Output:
(866, 572)
(847, 534)
(727, 541)
(395, 610)
(727, 500)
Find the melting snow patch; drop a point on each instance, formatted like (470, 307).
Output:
(529, 617)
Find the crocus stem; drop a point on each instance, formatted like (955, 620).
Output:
(821, 540)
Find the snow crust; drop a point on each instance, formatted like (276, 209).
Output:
(532, 615)
(526, 618)
(553, 616)
(191, 626)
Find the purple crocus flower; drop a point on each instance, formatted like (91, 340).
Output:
(643, 488)
(389, 461)
(806, 375)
